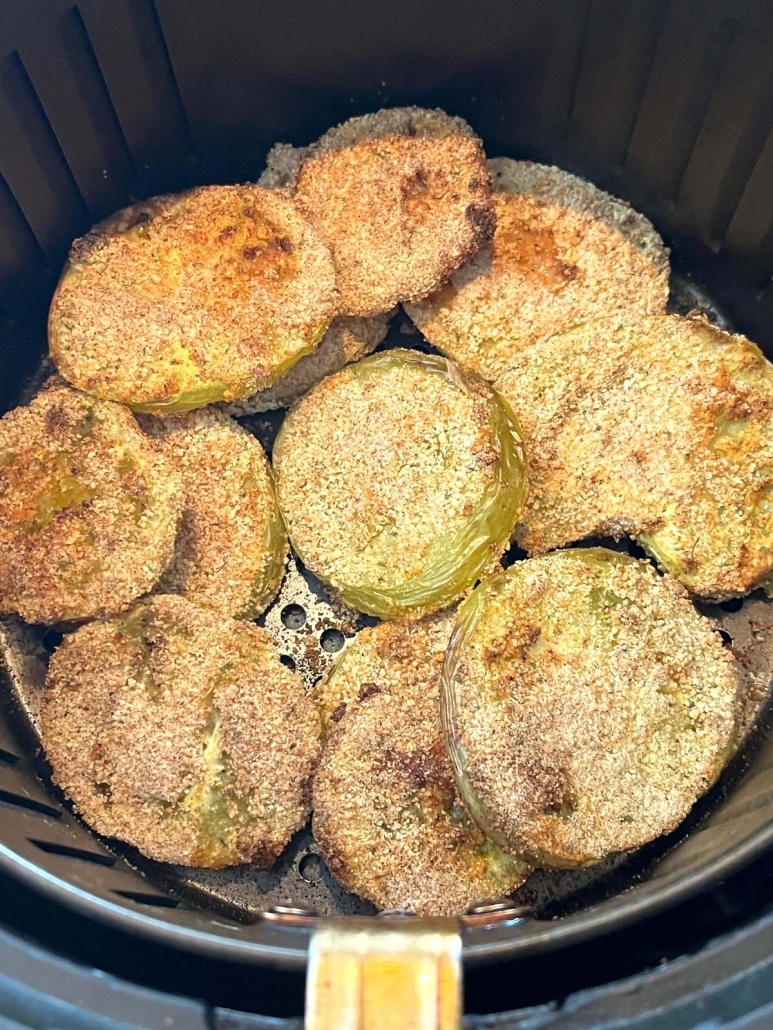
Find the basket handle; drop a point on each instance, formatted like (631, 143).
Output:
(402, 975)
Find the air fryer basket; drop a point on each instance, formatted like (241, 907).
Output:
(668, 103)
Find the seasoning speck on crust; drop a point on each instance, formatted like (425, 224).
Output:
(387, 815)
(181, 733)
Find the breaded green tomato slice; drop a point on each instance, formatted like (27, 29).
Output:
(231, 546)
(89, 508)
(387, 814)
(180, 732)
(400, 480)
(184, 300)
(587, 703)
(563, 252)
(661, 428)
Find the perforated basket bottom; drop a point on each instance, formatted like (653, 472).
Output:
(310, 629)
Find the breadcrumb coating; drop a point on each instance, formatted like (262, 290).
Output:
(231, 545)
(588, 705)
(180, 732)
(387, 815)
(89, 508)
(400, 480)
(400, 213)
(658, 428)
(184, 300)
(348, 339)
(563, 252)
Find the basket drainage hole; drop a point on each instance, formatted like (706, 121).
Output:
(727, 640)
(311, 867)
(293, 616)
(52, 638)
(733, 605)
(288, 662)
(332, 640)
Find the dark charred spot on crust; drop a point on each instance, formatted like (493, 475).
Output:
(56, 420)
(249, 212)
(568, 271)
(250, 253)
(338, 712)
(285, 244)
(227, 233)
(415, 186)
(482, 220)
(368, 690)
(418, 766)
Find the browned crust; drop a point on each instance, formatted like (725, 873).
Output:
(231, 546)
(141, 711)
(284, 160)
(399, 213)
(593, 705)
(659, 428)
(88, 508)
(564, 252)
(387, 816)
(219, 290)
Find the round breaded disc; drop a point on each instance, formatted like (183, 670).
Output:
(284, 160)
(180, 732)
(399, 479)
(231, 546)
(387, 815)
(400, 213)
(661, 428)
(563, 252)
(88, 508)
(348, 339)
(588, 705)
(184, 300)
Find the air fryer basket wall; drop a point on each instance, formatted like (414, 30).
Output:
(666, 102)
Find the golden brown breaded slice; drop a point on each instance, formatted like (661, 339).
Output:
(387, 815)
(184, 300)
(348, 339)
(89, 508)
(588, 705)
(283, 160)
(181, 733)
(231, 545)
(563, 252)
(400, 479)
(660, 428)
(400, 213)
